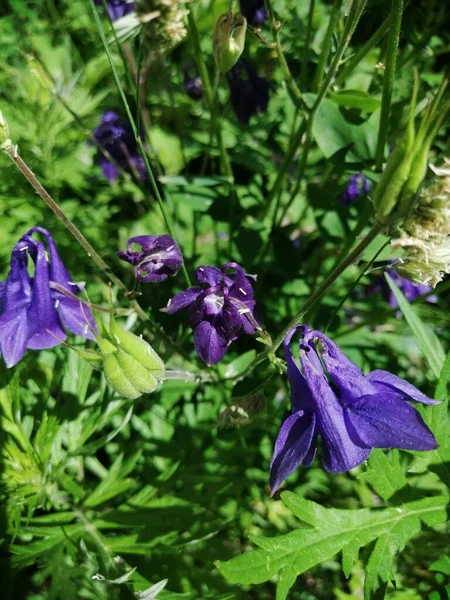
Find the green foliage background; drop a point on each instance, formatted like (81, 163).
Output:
(104, 498)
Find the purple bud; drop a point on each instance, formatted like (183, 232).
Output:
(358, 185)
(158, 258)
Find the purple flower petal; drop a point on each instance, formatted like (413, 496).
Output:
(232, 320)
(210, 344)
(341, 450)
(48, 332)
(293, 443)
(15, 330)
(301, 397)
(349, 378)
(108, 169)
(391, 384)
(208, 275)
(386, 421)
(241, 287)
(76, 317)
(182, 300)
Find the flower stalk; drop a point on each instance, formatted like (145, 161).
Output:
(389, 78)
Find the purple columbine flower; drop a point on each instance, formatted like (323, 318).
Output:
(193, 86)
(358, 186)
(351, 412)
(34, 311)
(117, 8)
(254, 11)
(159, 257)
(219, 312)
(249, 93)
(116, 137)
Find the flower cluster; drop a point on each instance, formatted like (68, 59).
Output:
(358, 186)
(249, 93)
(159, 257)
(34, 311)
(117, 8)
(220, 311)
(118, 148)
(351, 412)
(425, 235)
(163, 21)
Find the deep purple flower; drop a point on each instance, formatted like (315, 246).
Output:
(34, 311)
(219, 312)
(116, 137)
(249, 93)
(410, 290)
(254, 11)
(358, 185)
(193, 86)
(159, 257)
(351, 412)
(117, 8)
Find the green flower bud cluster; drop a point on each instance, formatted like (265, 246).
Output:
(425, 234)
(397, 191)
(163, 22)
(5, 142)
(228, 40)
(130, 364)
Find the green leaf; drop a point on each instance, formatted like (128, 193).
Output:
(385, 475)
(356, 99)
(426, 339)
(331, 531)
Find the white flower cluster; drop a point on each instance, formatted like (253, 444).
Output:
(425, 234)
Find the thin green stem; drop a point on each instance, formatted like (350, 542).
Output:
(209, 96)
(389, 78)
(353, 62)
(355, 283)
(164, 212)
(290, 82)
(305, 58)
(326, 45)
(128, 75)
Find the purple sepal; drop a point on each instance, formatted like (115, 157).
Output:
(159, 257)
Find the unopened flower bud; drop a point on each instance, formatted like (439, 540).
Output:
(5, 142)
(130, 364)
(228, 40)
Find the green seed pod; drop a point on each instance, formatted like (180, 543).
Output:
(228, 40)
(130, 364)
(5, 142)
(138, 349)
